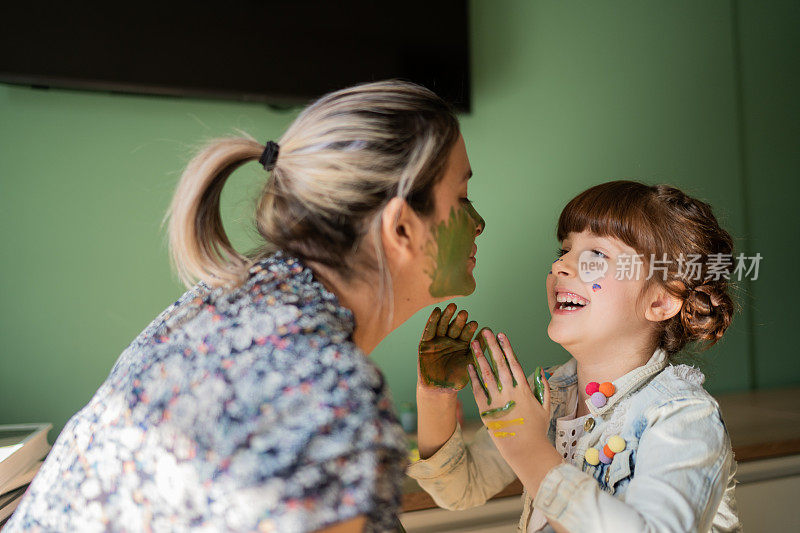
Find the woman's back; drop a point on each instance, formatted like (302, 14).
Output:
(248, 409)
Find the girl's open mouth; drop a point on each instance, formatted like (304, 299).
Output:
(569, 301)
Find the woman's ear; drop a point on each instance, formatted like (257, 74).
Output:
(661, 305)
(403, 232)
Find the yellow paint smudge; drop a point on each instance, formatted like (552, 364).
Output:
(503, 434)
(500, 424)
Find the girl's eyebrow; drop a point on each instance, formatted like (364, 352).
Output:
(610, 242)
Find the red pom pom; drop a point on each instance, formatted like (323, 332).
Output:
(592, 387)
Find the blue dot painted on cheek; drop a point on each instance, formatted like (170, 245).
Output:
(596, 287)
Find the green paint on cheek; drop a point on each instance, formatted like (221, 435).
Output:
(476, 218)
(499, 411)
(450, 250)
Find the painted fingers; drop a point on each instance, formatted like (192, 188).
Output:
(431, 325)
(444, 349)
(439, 324)
(444, 321)
(503, 370)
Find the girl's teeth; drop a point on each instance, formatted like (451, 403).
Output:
(564, 298)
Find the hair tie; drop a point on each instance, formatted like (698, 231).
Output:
(270, 156)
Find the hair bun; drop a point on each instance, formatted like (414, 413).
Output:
(707, 311)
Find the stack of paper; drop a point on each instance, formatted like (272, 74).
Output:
(22, 449)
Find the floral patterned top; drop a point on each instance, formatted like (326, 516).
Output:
(242, 410)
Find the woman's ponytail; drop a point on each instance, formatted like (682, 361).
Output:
(199, 247)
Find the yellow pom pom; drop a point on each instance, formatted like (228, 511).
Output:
(616, 444)
(592, 456)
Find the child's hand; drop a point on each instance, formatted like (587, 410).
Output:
(514, 417)
(444, 350)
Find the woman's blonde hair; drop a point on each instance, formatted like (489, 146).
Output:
(339, 164)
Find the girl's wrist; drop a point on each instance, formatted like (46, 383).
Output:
(532, 473)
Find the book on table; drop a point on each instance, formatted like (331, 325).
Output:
(23, 478)
(22, 449)
(9, 502)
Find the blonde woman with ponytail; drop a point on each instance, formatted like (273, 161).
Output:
(250, 404)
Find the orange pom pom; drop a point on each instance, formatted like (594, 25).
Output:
(607, 389)
(608, 452)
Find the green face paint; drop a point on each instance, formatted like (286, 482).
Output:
(476, 218)
(450, 251)
(499, 411)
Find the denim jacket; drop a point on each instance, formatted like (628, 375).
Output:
(675, 473)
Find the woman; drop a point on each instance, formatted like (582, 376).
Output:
(249, 404)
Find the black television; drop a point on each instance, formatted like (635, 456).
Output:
(281, 53)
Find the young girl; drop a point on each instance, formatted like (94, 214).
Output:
(623, 440)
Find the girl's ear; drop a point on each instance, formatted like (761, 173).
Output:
(403, 232)
(661, 305)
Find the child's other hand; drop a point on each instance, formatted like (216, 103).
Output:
(444, 350)
(514, 417)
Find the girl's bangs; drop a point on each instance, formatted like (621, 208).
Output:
(616, 209)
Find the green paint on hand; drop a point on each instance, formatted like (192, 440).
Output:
(480, 378)
(538, 386)
(443, 363)
(498, 411)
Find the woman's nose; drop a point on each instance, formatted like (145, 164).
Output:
(480, 224)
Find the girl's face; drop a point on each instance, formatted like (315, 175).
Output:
(590, 308)
(451, 247)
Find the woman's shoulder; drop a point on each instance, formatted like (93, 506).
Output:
(278, 350)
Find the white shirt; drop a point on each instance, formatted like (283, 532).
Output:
(568, 430)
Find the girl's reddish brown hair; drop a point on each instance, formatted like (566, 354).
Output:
(663, 222)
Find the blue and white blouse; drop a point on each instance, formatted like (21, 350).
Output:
(235, 410)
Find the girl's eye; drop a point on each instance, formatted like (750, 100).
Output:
(560, 252)
(599, 253)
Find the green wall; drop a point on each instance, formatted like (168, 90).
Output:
(566, 95)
